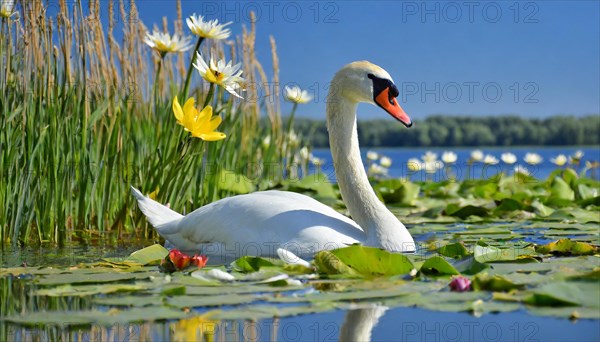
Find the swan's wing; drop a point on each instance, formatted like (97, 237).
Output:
(261, 222)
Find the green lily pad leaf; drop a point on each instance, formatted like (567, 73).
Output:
(469, 266)
(569, 312)
(455, 250)
(585, 192)
(175, 290)
(565, 294)
(328, 263)
(492, 254)
(494, 283)
(151, 255)
(542, 210)
(397, 191)
(436, 265)
(366, 261)
(453, 209)
(593, 275)
(567, 247)
(508, 204)
(253, 264)
(561, 190)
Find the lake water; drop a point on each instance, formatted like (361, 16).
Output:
(382, 324)
(461, 169)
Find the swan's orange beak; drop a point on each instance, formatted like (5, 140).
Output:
(390, 105)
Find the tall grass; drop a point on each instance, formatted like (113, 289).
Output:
(78, 125)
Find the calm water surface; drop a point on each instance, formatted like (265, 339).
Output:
(382, 324)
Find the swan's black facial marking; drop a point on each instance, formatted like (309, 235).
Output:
(381, 84)
(384, 95)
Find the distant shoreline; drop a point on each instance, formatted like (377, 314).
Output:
(465, 131)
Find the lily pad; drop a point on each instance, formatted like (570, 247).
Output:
(366, 261)
(437, 265)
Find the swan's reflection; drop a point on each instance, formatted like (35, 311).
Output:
(359, 323)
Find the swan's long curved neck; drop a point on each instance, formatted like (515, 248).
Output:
(362, 203)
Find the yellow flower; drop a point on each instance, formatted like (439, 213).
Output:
(202, 125)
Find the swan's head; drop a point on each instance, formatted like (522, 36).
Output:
(366, 82)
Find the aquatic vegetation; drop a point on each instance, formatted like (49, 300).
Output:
(532, 158)
(86, 114)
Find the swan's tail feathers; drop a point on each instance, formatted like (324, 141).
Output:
(157, 214)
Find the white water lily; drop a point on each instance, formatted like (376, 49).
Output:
(432, 166)
(414, 164)
(429, 157)
(385, 161)
(372, 155)
(522, 170)
(165, 43)
(449, 157)
(6, 8)
(224, 74)
(376, 169)
(477, 155)
(490, 160)
(208, 29)
(575, 158)
(532, 158)
(297, 95)
(559, 160)
(508, 158)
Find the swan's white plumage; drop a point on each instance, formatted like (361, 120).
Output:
(262, 222)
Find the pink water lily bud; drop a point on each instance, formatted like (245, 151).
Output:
(460, 284)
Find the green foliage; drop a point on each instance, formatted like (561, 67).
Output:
(468, 131)
(364, 261)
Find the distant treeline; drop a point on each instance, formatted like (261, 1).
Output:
(466, 131)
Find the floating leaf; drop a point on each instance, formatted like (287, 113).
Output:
(149, 255)
(567, 247)
(492, 254)
(455, 250)
(561, 190)
(493, 283)
(466, 211)
(253, 264)
(436, 265)
(366, 261)
(565, 294)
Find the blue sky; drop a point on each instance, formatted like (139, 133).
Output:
(533, 59)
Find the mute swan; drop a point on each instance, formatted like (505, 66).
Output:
(260, 223)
